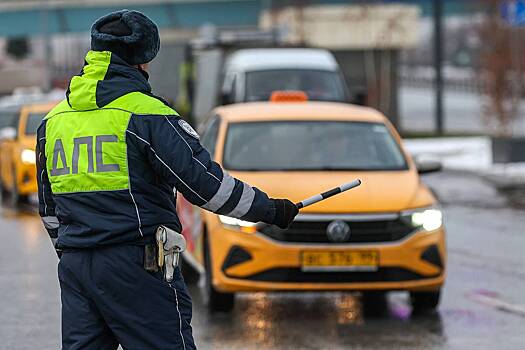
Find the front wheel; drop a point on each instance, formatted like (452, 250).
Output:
(16, 197)
(4, 193)
(215, 300)
(374, 303)
(425, 301)
(190, 274)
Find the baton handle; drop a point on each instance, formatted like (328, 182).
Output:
(328, 194)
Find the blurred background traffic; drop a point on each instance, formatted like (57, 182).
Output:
(447, 75)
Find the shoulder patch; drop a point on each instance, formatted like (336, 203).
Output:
(188, 129)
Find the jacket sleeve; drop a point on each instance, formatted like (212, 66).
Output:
(46, 204)
(173, 149)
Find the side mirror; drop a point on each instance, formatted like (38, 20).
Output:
(428, 166)
(223, 99)
(8, 133)
(227, 98)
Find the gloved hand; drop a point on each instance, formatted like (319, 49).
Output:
(285, 212)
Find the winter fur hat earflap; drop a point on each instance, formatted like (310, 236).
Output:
(129, 34)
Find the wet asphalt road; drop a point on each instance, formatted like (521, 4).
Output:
(483, 306)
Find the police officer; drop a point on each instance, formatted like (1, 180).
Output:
(108, 159)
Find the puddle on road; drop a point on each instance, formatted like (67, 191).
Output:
(309, 320)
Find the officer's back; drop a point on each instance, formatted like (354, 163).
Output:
(97, 144)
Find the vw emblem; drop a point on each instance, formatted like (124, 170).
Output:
(338, 231)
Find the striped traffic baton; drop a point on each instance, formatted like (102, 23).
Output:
(328, 194)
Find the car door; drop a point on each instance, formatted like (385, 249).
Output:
(190, 215)
(7, 149)
(8, 122)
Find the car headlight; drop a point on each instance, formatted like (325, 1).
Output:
(28, 156)
(241, 225)
(428, 219)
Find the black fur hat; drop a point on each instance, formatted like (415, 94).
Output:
(129, 34)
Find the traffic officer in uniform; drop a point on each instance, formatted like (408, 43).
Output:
(109, 159)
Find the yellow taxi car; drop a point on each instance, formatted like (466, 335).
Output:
(17, 152)
(385, 235)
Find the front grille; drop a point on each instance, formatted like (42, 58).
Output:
(370, 231)
(384, 274)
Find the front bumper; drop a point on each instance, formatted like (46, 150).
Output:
(26, 179)
(254, 262)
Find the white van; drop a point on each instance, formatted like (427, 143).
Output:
(253, 74)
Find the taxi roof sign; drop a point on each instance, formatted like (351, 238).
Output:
(289, 96)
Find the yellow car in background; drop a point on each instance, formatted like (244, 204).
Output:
(17, 153)
(385, 235)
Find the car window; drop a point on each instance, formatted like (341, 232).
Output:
(33, 122)
(311, 145)
(8, 119)
(317, 84)
(209, 138)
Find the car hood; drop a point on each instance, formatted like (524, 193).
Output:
(28, 141)
(380, 191)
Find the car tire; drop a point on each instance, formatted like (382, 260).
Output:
(374, 303)
(190, 274)
(4, 193)
(16, 197)
(425, 301)
(216, 301)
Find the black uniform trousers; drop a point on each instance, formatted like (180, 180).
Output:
(109, 299)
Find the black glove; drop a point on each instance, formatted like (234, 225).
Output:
(285, 212)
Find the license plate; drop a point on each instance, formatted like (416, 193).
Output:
(362, 260)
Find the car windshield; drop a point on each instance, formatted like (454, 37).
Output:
(317, 84)
(8, 118)
(33, 122)
(311, 145)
